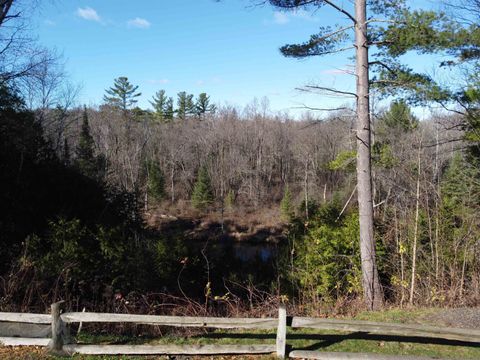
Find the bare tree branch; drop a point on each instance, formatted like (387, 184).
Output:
(315, 87)
(319, 109)
(343, 11)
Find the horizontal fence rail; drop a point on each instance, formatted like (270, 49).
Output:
(34, 327)
(24, 329)
(410, 330)
(168, 349)
(25, 318)
(23, 341)
(21, 329)
(178, 321)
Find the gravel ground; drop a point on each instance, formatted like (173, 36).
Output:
(460, 317)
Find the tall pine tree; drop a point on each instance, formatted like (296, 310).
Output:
(203, 106)
(185, 105)
(376, 49)
(123, 95)
(163, 106)
(399, 116)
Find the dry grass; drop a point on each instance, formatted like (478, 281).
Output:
(240, 223)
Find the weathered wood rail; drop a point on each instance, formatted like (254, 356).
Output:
(407, 330)
(22, 329)
(59, 341)
(177, 321)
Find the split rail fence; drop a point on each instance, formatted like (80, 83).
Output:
(53, 331)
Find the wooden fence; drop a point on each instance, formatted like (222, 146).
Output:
(60, 341)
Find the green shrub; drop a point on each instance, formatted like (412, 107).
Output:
(327, 262)
(286, 205)
(202, 195)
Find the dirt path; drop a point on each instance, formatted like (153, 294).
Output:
(460, 317)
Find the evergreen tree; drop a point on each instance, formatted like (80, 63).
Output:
(158, 103)
(86, 161)
(460, 186)
(429, 32)
(400, 116)
(185, 105)
(202, 195)
(337, 39)
(327, 248)
(471, 125)
(286, 205)
(377, 49)
(155, 181)
(458, 213)
(122, 95)
(163, 106)
(169, 110)
(203, 106)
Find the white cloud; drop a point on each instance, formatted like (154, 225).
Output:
(139, 23)
(302, 14)
(49, 22)
(280, 18)
(200, 82)
(88, 14)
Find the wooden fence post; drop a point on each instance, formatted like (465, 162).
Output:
(282, 331)
(58, 328)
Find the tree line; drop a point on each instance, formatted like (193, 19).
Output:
(123, 95)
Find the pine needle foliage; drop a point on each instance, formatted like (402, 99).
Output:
(202, 195)
(155, 181)
(123, 95)
(286, 205)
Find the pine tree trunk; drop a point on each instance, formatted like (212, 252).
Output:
(372, 290)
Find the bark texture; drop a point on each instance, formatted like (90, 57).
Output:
(371, 285)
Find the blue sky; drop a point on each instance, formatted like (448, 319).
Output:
(228, 49)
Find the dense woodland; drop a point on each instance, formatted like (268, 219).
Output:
(80, 187)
